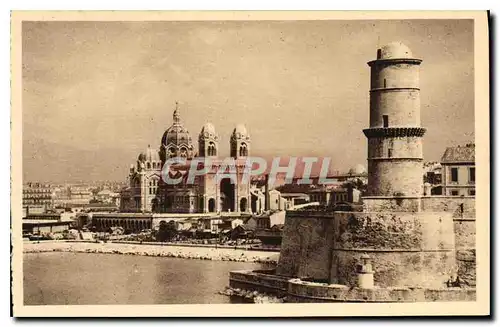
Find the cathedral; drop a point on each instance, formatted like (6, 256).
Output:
(147, 192)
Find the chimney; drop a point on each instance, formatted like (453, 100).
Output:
(266, 193)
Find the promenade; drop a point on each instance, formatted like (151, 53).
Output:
(185, 251)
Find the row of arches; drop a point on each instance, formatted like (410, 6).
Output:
(182, 152)
(135, 225)
(243, 205)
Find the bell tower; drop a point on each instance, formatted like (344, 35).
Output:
(208, 141)
(240, 142)
(395, 135)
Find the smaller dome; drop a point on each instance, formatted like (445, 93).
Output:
(208, 128)
(240, 131)
(149, 155)
(394, 50)
(357, 170)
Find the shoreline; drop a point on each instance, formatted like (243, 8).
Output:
(155, 250)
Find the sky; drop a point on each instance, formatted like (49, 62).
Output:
(96, 94)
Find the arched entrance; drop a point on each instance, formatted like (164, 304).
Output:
(243, 205)
(227, 194)
(211, 205)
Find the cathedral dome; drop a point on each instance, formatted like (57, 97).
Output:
(394, 50)
(176, 141)
(176, 134)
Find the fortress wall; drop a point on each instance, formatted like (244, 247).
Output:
(306, 246)
(390, 203)
(451, 204)
(463, 210)
(407, 249)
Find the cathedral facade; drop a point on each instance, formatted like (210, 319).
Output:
(148, 192)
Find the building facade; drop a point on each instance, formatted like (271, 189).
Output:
(149, 192)
(72, 195)
(38, 195)
(459, 171)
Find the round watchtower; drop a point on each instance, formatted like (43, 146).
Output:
(395, 134)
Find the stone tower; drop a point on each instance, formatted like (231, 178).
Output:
(395, 136)
(240, 142)
(208, 141)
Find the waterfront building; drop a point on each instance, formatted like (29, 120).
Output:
(38, 197)
(45, 226)
(459, 171)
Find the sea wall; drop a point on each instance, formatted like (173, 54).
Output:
(158, 250)
(302, 291)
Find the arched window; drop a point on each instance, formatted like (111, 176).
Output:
(212, 151)
(243, 150)
(149, 165)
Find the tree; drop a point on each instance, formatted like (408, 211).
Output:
(166, 231)
(356, 183)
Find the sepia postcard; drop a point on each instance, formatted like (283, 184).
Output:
(257, 164)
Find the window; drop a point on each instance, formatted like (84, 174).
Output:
(454, 192)
(386, 120)
(472, 174)
(385, 83)
(472, 192)
(454, 175)
(389, 153)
